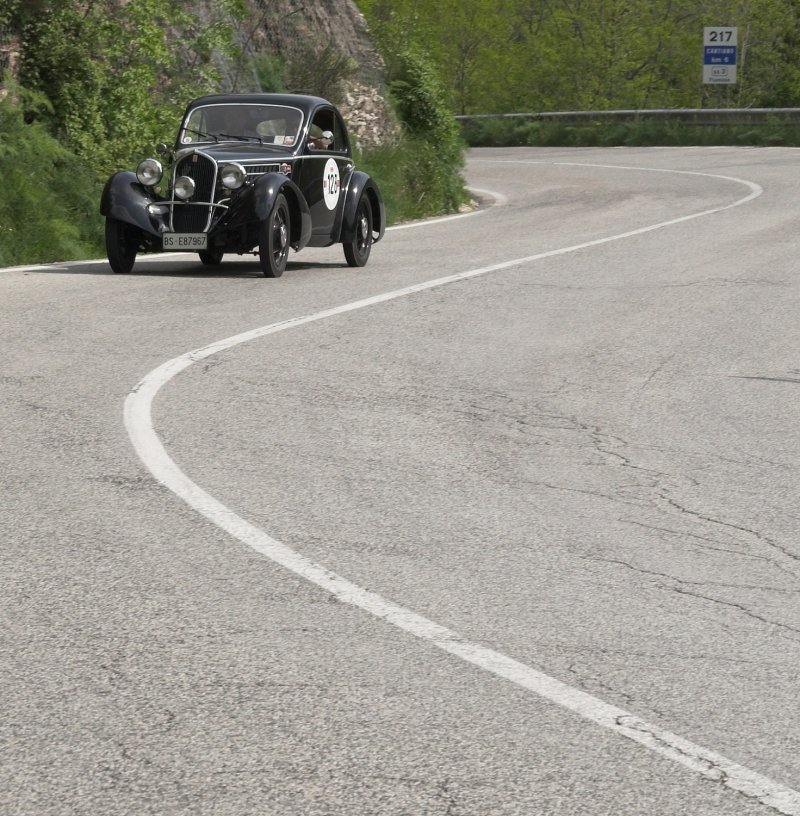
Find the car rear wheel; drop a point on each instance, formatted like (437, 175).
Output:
(357, 251)
(122, 242)
(211, 257)
(274, 240)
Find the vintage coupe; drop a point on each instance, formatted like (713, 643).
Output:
(248, 173)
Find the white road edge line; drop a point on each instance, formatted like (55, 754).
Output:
(498, 200)
(148, 446)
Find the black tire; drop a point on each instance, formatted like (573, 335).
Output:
(357, 251)
(211, 257)
(274, 240)
(122, 243)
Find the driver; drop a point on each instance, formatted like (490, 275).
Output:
(319, 139)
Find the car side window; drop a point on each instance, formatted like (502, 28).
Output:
(340, 134)
(327, 121)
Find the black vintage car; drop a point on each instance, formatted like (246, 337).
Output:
(248, 173)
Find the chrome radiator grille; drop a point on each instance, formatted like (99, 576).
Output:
(254, 170)
(189, 217)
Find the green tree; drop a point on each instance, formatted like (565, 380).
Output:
(117, 81)
(533, 55)
(460, 38)
(784, 90)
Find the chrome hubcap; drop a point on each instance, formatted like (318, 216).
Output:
(280, 237)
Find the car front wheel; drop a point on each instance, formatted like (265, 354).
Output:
(122, 242)
(274, 240)
(357, 250)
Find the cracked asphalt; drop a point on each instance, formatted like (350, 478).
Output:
(586, 462)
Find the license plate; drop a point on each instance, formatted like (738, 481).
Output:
(185, 240)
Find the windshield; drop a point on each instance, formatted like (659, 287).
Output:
(262, 124)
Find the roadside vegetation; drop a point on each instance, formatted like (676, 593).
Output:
(97, 91)
(524, 56)
(542, 133)
(98, 84)
(48, 198)
(422, 174)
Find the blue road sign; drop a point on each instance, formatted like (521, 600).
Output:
(719, 55)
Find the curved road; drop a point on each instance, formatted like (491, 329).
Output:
(504, 523)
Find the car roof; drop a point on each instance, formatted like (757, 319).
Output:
(304, 102)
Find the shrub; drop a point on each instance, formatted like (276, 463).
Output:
(496, 132)
(435, 148)
(49, 198)
(271, 73)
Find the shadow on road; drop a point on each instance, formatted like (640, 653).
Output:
(162, 267)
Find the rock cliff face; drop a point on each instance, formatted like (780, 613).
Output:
(296, 31)
(324, 22)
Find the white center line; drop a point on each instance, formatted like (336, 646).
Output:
(139, 424)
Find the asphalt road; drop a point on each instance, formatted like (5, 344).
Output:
(518, 541)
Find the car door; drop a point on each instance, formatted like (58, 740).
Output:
(322, 172)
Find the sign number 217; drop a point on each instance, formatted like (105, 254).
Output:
(723, 35)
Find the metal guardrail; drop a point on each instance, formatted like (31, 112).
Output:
(693, 116)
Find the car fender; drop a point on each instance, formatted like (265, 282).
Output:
(359, 185)
(125, 199)
(266, 190)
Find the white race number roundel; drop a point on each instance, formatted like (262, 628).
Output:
(331, 184)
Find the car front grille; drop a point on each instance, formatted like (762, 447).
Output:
(253, 170)
(195, 217)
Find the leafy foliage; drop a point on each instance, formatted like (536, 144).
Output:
(433, 179)
(271, 73)
(48, 205)
(118, 81)
(496, 132)
(430, 164)
(501, 56)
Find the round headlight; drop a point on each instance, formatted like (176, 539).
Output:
(232, 176)
(184, 187)
(149, 172)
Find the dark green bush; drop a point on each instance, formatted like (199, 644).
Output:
(48, 199)
(271, 73)
(406, 174)
(435, 150)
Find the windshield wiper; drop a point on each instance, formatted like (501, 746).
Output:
(240, 138)
(201, 134)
